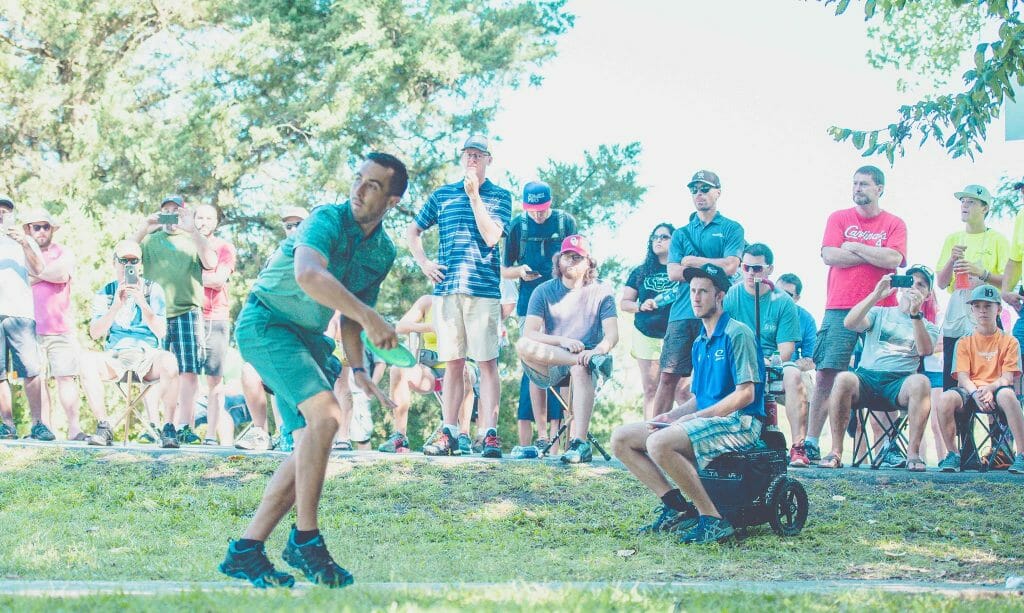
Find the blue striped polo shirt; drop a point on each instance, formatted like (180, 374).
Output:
(473, 268)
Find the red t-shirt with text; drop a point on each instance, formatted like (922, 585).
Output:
(216, 304)
(848, 286)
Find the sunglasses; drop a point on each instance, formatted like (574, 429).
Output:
(792, 295)
(700, 189)
(476, 156)
(753, 267)
(291, 226)
(573, 257)
(661, 237)
(128, 260)
(40, 226)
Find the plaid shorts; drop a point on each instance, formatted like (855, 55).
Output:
(715, 436)
(186, 339)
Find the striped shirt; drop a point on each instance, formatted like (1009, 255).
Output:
(473, 268)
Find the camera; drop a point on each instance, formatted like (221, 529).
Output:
(131, 274)
(902, 281)
(168, 219)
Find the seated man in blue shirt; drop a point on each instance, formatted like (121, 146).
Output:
(725, 415)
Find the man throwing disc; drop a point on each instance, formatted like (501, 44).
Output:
(335, 261)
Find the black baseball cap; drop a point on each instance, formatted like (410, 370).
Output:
(707, 178)
(709, 271)
(5, 201)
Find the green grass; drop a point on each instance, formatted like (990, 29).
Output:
(76, 515)
(520, 598)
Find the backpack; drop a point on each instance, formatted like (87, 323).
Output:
(521, 221)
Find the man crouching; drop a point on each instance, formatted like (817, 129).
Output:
(728, 375)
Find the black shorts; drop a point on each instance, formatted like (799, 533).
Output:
(677, 351)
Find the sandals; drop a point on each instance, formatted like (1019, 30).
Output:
(831, 461)
(916, 465)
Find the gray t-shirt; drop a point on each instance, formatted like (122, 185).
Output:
(576, 313)
(889, 344)
(15, 291)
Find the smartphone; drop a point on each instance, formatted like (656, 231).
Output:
(131, 275)
(902, 281)
(167, 219)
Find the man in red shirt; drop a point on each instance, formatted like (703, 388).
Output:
(861, 244)
(215, 316)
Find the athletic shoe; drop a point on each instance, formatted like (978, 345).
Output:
(7, 433)
(894, 457)
(254, 439)
(285, 443)
(669, 520)
(445, 444)
(798, 456)
(708, 530)
(187, 437)
(150, 434)
(492, 444)
(104, 436)
(478, 445)
(253, 566)
(529, 452)
(168, 437)
(542, 446)
(396, 443)
(465, 444)
(342, 446)
(315, 562)
(812, 451)
(578, 452)
(40, 432)
(1017, 467)
(951, 463)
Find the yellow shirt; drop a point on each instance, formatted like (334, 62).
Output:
(990, 250)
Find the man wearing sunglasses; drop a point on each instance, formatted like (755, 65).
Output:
(708, 238)
(779, 333)
(19, 258)
(58, 344)
(860, 245)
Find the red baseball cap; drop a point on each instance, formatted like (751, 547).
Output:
(577, 244)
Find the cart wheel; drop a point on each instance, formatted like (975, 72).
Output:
(787, 506)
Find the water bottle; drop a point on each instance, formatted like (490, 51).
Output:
(666, 297)
(771, 412)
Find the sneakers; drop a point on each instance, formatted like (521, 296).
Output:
(669, 520)
(7, 433)
(602, 365)
(529, 452)
(708, 530)
(187, 437)
(1017, 467)
(168, 437)
(150, 434)
(396, 443)
(446, 444)
(894, 457)
(340, 445)
(478, 445)
(542, 446)
(798, 456)
(285, 443)
(315, 562)
(253, 566)
(104, 436)
(492, 444)
(254, 439)
(465, 444)
(951, 463)
(578, 452)
(812, 452)
(40, 432)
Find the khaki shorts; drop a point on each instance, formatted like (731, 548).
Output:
(645, 347)
(137, 359)
(60, 354)
(467, 327)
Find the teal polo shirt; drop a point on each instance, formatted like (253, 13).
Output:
(358, 262)
(721, 237)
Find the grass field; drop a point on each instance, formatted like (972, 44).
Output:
(73, 514)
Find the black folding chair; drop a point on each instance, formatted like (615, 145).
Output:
(565, 399)
(893, 425)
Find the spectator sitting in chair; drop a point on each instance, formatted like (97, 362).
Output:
(129, 314)
(886, 380)
(725, 415)
(986, 364)
(570, 329)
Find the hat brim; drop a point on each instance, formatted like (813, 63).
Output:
(53, 224)
(921, 271)
(7, 203)
(541, 206)
(959, 195)
(480, 149)
(702, 182)
(698, 273)
(576, 250)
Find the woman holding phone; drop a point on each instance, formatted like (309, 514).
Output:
(649, 295)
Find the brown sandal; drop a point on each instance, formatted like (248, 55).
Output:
(916, 465)
(831, 461)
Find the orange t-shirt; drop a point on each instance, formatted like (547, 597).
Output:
(986, 358)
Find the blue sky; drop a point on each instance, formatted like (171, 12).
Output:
(747, 89)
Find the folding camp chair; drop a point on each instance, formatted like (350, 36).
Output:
(995, 436)
(568, 416)
(893, 425)
(133, 389)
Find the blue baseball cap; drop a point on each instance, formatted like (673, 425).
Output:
(537, 196)
(986, 293)
(178, 200)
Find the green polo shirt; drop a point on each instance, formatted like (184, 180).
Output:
(172, 261)
(357, 262)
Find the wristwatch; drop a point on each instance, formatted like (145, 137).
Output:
(918, 316)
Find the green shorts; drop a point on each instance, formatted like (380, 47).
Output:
(291, 360)
(881, 390)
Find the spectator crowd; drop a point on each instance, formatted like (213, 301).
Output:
(715, 332)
